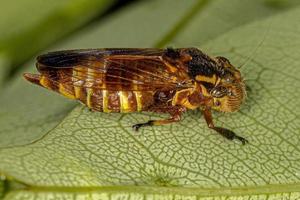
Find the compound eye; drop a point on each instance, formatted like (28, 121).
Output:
(219, 91)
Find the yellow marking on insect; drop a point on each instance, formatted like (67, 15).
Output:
(77, 84)
(176, 100)
(89, 78)
(124, 103)
(181, 98)
(171, 67)
(44, 81)
(77, 91)
(89, 93)
(206, 78)
(218, 81)
(105, 101)
(204, 91)
(138, 97)
(88, 83)
(168, 65)
(62, 90)
(186, 103)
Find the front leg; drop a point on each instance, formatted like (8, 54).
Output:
(223, 131)
(175, 117)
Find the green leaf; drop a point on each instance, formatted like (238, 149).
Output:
(98, 156)
(29, 26)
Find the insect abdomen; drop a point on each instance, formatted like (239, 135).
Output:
(118, 101)
(98, 100)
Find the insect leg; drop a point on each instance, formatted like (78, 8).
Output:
(223, 131)
(175, 117)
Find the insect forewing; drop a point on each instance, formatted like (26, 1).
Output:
(111, 69)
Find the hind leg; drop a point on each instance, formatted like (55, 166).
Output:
(175, 117)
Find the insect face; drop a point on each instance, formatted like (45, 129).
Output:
(229, 91)
(219, 80)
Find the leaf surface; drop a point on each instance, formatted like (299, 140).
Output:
(97, 155)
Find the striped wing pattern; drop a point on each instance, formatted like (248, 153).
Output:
(118, 80)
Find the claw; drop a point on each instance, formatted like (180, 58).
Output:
(230, 135)
(136, 127)
(243, 140)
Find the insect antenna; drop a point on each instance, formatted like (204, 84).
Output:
(257, 47)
